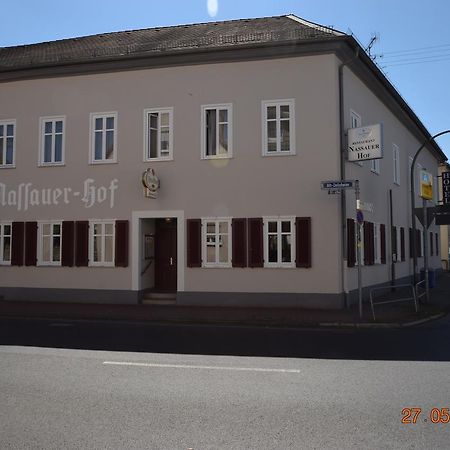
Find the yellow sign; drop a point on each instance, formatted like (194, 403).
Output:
(426, 185)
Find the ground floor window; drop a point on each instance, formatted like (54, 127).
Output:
(216, 242)
(5, 243)
(279, 242)
(50, 238)
(101, 243)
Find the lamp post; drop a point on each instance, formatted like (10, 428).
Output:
(413, 195)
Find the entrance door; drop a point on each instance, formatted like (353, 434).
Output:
(166, 255)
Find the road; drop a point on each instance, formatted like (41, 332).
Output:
(133, 386)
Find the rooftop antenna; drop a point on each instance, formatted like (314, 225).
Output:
(375, 37)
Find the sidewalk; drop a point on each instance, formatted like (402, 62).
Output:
(393, 315)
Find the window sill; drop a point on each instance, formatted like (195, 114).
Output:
(290, 153)
(107, 265)
(217, 157)
(8, 166)
(5, 263)
(216, 266)
(48, 264)
(96, 163)
(169, 158)
(279, 266)
(51, 164)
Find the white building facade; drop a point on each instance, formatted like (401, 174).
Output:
(235, 130)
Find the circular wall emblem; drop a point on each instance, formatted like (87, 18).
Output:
(150, 181)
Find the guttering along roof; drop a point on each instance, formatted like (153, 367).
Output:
(243, 39)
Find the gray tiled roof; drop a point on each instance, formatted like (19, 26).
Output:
(151, 41)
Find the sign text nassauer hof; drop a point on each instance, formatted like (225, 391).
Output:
(365, 143)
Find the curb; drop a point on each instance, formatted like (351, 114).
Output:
(368, 325)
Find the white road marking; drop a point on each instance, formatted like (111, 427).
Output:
(187, 366)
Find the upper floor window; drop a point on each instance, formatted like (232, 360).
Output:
(356, 122)
(50, 237)
(52, 141)
(278, 127)
(396, 163)
(5, 242)
(375, 166)
(216, 132)
(7, 143)
(102, 238)
(279, 241)
(216, 242)
(104, 138)
(158, 134)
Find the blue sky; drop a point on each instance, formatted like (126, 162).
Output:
(414, 35)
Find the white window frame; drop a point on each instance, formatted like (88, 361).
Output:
(375, 166)
(396, 163)
(147, 112)
(399, 244)
(42, 134)
(417, 171)
(40, 261)
(2, 238)
(93, 117)
(279, 219)
(102, 263)
(5, 123)
(217, 107)
(356, 122)
(410, 160)
(377, 243)
(216, 221)
(356, 243)
(278, 103)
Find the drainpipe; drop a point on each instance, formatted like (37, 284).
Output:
(343, 143)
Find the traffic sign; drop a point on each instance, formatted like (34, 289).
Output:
(359, 217)
(339, 184)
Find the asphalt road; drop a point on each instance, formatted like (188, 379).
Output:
(170, 387)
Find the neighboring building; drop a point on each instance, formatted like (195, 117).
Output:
(239, 121)
(444, 230)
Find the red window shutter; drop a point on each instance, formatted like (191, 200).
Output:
(30, 243)
(255, 242)
(194, 249)
(402, 243)
(351, 249)
(17, 243)
(121, 253)
(68, 243)
(383, 243)
(431, 244)
(303, 241)
(372, 243)
(239, 244)
(81, 243)
(366, 243)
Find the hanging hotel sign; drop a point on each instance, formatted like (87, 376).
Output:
(446, 188)
(151, 183)
(426, 185)
(365, 143)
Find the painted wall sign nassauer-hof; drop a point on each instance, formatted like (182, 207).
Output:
(26, 195)
(365, 143)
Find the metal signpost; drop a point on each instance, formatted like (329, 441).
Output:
(337, 186)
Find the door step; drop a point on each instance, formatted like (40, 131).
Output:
(159, 298)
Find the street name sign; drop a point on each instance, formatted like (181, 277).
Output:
(339, 184)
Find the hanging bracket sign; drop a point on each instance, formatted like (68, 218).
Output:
(365, 143)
